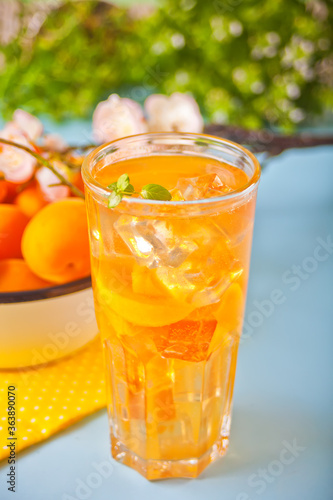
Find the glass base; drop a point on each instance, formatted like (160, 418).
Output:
(163, 469)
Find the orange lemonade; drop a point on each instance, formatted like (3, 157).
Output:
(170, 282)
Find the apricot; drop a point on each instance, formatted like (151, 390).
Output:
(16, 276)
(78, 181)
(30, 201)
(8, 191)
(230, 311)
(55, 243)
(12, 224)
(3, 190)
(229, 316)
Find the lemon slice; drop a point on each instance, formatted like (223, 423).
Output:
(142, 310)
(230, 311)
(145, 282)
(229, 317)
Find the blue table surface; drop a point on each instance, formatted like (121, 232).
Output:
(282, 431)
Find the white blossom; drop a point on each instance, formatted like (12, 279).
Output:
(46, 178)
(117, 117)
(177, 113)
(236, 28)
(54, 142)
(293, 91)
(28, 124)
(257, 87)
(178, 41)
(296, 115)
(15, 164)
(273, 38)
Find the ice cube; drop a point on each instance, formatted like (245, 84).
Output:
(104, 238)
(204, 276)
(199, 287)
(232, 177)
(237, 223)
(155, 243)
(95, 244)
(192, 258)
(196, 188)
(213, 293)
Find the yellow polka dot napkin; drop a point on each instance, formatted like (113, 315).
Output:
(50, 397)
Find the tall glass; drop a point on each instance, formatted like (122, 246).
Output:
(169, 282)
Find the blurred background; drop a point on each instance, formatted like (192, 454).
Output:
(248, 63)
(262, 65)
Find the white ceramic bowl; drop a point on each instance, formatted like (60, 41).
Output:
(40, 326)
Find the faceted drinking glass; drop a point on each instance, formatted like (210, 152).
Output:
(169, 281)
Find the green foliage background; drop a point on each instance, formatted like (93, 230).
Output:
(247, 62)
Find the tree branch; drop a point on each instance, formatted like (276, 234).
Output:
(258, 140)
(76, 191)
(266, 141)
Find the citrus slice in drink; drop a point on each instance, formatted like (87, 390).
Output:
(229, 317)
(145, 282)
(144, 310)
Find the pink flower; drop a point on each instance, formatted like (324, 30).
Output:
(177, 113)
(54, 142)
(28, 124)
(117, 117)
(15, 164)
(46, 178)
(140, 11)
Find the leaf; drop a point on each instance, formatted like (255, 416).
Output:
(129, 190)
(113, 186)
(123, 188)
(155, 192)
(114, 199)
(123, 182)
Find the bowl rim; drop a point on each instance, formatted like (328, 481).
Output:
(45, 293)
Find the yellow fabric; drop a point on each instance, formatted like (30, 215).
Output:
(52, 397)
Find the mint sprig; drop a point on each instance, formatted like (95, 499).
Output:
(123, 187)
(114, 199)
(155, 192)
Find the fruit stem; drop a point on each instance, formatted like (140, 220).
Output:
(76, 191)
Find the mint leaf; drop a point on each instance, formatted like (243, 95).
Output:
(129, 190)
(123, 187)
(113, 186)
(114, 199)
(123, 182)
(155, 192)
